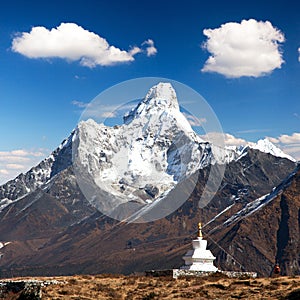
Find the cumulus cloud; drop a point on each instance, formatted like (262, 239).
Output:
(150, 48)
(72, 42)
(79, 104)
(135, 50)
(14, 162)
(253, 130)
(193, 120)
(249, 48)
(287, 139)
(229, 139)
(273, 140)
(296, 115)
(107, 114)
(293, 150)
(14, 166)
(79, 77)
(290, 144)
(13, 158)
(98, 111)
(299, 54)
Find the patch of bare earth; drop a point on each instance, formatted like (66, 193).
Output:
(86, 287)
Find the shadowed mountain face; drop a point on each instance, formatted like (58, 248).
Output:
(268, 235)
(53, 229)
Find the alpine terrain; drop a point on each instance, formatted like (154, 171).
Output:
(128, 198)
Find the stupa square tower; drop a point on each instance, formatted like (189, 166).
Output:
(200, 258)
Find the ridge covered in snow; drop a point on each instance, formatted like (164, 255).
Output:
(38, 175)
(264, 145)
(262, 201)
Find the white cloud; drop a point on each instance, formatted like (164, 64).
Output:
(108, 114)
(296, 115)
(96, 110)
(253, 130)
(299, 54)
(224, 138)
(249, 48)
(71, 42)
(291, 149)
(287, 139)
(19, 152)
(231, 140)
(290, 144)
(79, 77)
(150, 49)
(14, 162)
(193, 120)
(135, 50)
(79, 104)
(273, 140)
(13, 158)
(14, 166)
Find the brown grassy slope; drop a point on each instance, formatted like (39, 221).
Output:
(145, 288)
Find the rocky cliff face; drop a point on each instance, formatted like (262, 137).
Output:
(268, 234)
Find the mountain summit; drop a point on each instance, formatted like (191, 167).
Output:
(266, 146)
(161, 97)
(141, 160)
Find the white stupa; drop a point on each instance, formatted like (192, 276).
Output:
(200, 258)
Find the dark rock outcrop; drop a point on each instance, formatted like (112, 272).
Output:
(21, 290)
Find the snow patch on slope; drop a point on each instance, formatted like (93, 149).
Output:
(257, 204)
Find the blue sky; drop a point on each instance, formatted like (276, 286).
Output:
(252, 83)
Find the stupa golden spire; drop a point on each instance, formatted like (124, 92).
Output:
(200, 230)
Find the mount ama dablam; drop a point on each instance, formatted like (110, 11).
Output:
(252, 221)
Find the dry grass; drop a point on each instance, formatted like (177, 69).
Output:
(147, 288)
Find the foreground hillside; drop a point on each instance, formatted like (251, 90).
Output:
(140, 287)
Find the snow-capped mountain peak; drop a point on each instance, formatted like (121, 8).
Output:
(159, 104)
(145, 157)
(264, 145)
(162, 94)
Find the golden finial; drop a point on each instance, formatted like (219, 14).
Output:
(200, 230)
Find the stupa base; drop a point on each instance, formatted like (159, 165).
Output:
(231, 274)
